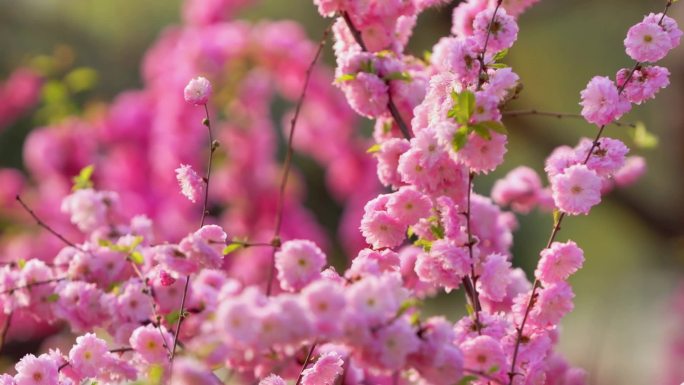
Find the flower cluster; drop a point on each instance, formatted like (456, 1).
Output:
(178, 301)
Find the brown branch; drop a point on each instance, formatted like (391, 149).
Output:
(288, 161)
(394, 111)
(42, 224)
(558, 115)
(32, 284)
(5, 330)
(306, 362)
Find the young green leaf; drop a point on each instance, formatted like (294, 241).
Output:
(82, 180)
(345, 78)
(232, 248)
(493, 125)
(137, 258)
(460, 138)
(373, 149)
(643, 138)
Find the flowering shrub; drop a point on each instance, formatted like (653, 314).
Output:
(196, 276)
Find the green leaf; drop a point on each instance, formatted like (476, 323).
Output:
(493, 369)
(643, 138)
(54, 297)
(427, 56)
(232, 248)
(82, 180)
(405, 76)
(137, 258)
(172, 317)
(467, 100)
(493, 125)
(500, 55)
(498, 65)
(155, 374)
(481, 130)
(424, 243)
(464, 106)
(373, 149)
(81, 79)
(345, 78)
(21, 262)
(460, 138)
(467, 379)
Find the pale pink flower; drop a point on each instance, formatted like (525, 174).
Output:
(483, 155)
(576, 190)
(502, 33)
(607, 157)
(205, 246)
(394, 343)
(483, 353)
(367, 95)
(631, 171)
(668, 24)
(388, 161)
(32, 370)
(601, 103)
(382, 230)
(553, 303)
(457, 55)
(647, 42)
(644, 83)
(444, 265)
(272, 380)
(495, 277)
(152, 343)
(197, 91)
(520, 189)
(191, 183)
(89, 355)
(299, 262)
(559, 261)
(324, 371)
(88, 208)
(408, 206)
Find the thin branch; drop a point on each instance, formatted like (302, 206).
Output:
(181, 313)
(394, 111)
(288, 161)
(5, 329)
(558, 115)
(33, 284)
(306, 362)
(557, 225)
(42, 224)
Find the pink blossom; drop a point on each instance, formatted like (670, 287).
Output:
(561, 158)
(32, 370)
(647, 42)
(631, 171)
(520, 189)
(197, 91)
(394, 343)
(408, 206)
(324, 371)
(483, 353)
(89, 355)
(483, 155)
(367, 95)
(388, 161)
(668, 24)
(205, 246)
(495, 277)
(502, 33)
(325, 300)
(501, 82)
(559, 261)
(88, 208)
(381, 229)
(444, 265)
(644, 83)
(601, 103)
(152, 343)
(458, 56)
(187, 371)
(272, 379)
(298, 262)
(554, 302)
(191, 183)
(576, 190)
(606, 158)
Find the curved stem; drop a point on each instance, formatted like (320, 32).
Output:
(288, 161)
(558, 115)
(306, 362)
(394, 111)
